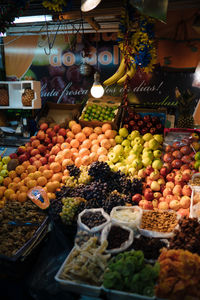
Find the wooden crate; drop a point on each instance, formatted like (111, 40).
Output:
(103, 101)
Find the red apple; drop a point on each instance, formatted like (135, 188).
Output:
(154, 175)
(28, 144)
(157, 195)
(169, 149)
(47, 140)
(161, 199)
(141, 173)
(186, 191)
(174, 204)
(176, 163)
(62, 132)
(195, 146)
(44, 126)
(177, 145)
(191, 165)
(144, 204)
(51, 133)
(168, 166)
(13, 156)
(192, 155)
(155, 203)
(38, 156)
(185, 150)
(68, 140)
(42, 148)
(184, 167)
(187, 171)
(186, 159)
(55, 149)
(169, 198)
(41, 135)
(60, 139)
(177, 190)
(177, 154)
(56, 128)
(168, 157)
(54, 140)
(163, 205)
(43, 160)
(22, 158)
(49, 147)
(167, 191)
(170, 185)
(155, 186)
(33, 138)
(148, 194)
(136, 198)
(186, 177)
(51, 158)
(32, 159)
(183, 212)
(149, 170)
(170, 177)
(164, 171)
(161, 181)
(21, 150)
(29, 149)
(178, 179)
(185, 202)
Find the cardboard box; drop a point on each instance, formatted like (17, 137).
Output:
(103, 101)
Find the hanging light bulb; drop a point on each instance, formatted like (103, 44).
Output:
(97, 90)
(87, 5)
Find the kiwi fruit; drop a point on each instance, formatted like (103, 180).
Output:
(12, 164)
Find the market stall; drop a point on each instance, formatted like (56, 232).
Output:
(100, 196)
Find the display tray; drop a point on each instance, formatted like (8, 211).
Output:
(30, 244)
(119, 295)
(80, 288)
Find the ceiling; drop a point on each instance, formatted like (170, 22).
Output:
(104, 18)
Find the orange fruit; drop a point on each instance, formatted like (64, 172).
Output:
(2, 188)
(1, 194)
(25, 164)
(31, 169)
(31, 183)
(31, 175)
(26, 180)
(16, 179)
(23, 188)
(37, 174)
(7, 181)
(22, 197)
(55, 167)
(13, 186)
(12, 174)
(8, 193)
(19, 169)
(52, 186)
(24, 175)
(42, 181)
(48, 173)
(51, 195)
(41, 169)
(13, 197)
(57, 177)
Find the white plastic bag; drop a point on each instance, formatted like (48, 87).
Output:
(124, 246)
(82, 226)
(130, 220)
(158, 234)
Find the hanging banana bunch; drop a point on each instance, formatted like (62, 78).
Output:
(136, 43)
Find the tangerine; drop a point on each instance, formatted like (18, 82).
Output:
(22, 197)
(19, 169)
(12, 174)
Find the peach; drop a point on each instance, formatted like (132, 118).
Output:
(76, 128)
(110, 134)
(55, 167)
(62, 131)
(78, 161)
(51, 158)
(75, 143)
(86, 143)
(87, 131)
(44, 126)
(67, 153)
(60, 139)
(95, 142)
(105, 143)
(102, 151)
(105, 127)
(41, 135)
(112, 141)
(59, 158)
(65, 146)
(34, 152)
(55, 149)
(67, 162)
(70, 135)
(103, 157)
(93, 156)
(86, 160)
(35, 143)
(101, 137)
(80, 137)
(98, 130)
(43, 160)
(93, 136)
(71, 123)
(42, 148)
(56, 127)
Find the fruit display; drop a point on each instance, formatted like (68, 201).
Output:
(143, 122)
(97, 112)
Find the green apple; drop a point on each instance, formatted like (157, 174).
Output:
(119, 164)
(123, 169)
(129, 137)
(127, 150)
(119, 139)
(4, 173)
(157, 164)
(1, 179)
(113, 157)
(118, 149)
(158, 138)
(147, 137)
(4, 167)
(123, 132)
(1, 165)
(146, 161)
(132, 170)
(138, 140)
(157, 153)
(197, 156)
(137, 149)
(6, 159)
(146, 145)
(197, 164)
(134, 134)
(126, 143)
(153, 144)
(148, 154)
(137, 163)
(131, 158)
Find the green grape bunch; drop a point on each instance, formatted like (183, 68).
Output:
(69, 209)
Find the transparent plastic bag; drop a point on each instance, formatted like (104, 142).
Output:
(82, 226)
(124, 246)
(132, 220)
(195, 203)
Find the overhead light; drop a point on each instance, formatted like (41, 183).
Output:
(33, 19)
(87, 5)
(97, 90)
(2, 34)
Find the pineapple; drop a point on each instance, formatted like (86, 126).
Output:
(4, 99)
(27, 97)
(185, 101)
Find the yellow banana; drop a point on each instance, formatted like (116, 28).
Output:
(118, 74)
(130, 74)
